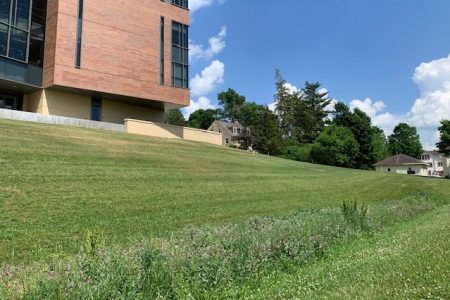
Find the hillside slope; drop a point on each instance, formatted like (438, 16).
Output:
(57, 183)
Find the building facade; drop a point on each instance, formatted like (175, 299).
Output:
(99, 60)
(229, 130)
(434, 161)
(402, 164)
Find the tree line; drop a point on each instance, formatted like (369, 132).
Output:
(306, 126)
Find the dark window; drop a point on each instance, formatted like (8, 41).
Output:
(182, 3)
(162, 51)
(96, 108)
(15, 16)
(37, 33)
(18, 44)
(79, 33)
(22, 30)
(180, 57)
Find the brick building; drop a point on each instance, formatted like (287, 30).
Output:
(99, 60)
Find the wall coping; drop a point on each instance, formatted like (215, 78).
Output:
(173, 126)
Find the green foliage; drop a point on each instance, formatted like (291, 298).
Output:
(301, 114)
(231, 102)
(286, 106)
(380, 146)
(335, 146)
(354, 214)
(297, 152)
(360, 125)
(202, 118)
(264, 135)
(175, 117)
(405, 140)
(444, 143)
(312, 112)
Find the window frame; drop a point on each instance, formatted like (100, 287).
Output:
(11, 26)
(180, 63)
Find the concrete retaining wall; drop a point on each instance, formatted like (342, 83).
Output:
(57, 120)
(172, 132)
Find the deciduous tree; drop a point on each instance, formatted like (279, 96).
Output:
(444, 143)
(175, 117)
(405, 140)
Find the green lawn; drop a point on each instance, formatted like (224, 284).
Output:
(57, 183)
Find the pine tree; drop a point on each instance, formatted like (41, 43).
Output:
(286, 105)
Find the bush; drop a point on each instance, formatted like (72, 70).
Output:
(354, 214)
(298, 152)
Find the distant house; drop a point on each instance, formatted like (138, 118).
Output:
(446, 171)
(402, 164)
(446, 168)
(434, 161)
(230, 131)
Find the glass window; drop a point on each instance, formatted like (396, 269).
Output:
(180, 53)
(3, 39)
(18, 44)
(22, 14)
(96, 108)
(5, 6)
(182, 3)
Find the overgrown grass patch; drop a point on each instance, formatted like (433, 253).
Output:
(211, 261)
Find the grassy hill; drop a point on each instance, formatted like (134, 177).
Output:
(57, 183)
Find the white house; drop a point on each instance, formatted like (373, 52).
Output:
(434, 161)
(402, 164)
(447, 166)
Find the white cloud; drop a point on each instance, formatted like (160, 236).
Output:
(432, 106)
(291, 88)
(195, 5)
(216, 45)
(201, 103)
(272, 106)
(204, 83)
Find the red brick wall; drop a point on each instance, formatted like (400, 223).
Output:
(120, 48)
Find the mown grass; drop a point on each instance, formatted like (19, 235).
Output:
(223, 262)
(58, 183)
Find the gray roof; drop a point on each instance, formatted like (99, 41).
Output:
(400, 160)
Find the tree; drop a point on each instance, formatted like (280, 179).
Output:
(380, 149)
(444, 143)
(264, 134)
(335, 146)
(405, 140)
(202, 118)
(286, 106)
(231, 102)
(360, 125)
(175, 117)
(311, 112)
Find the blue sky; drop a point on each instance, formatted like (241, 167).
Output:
(387, 57)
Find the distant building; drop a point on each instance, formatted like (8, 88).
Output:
(446, 171)
(96, 60)
(434, 161)
(402, 164)
(230, 131)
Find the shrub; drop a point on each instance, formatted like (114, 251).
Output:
(354, 214)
